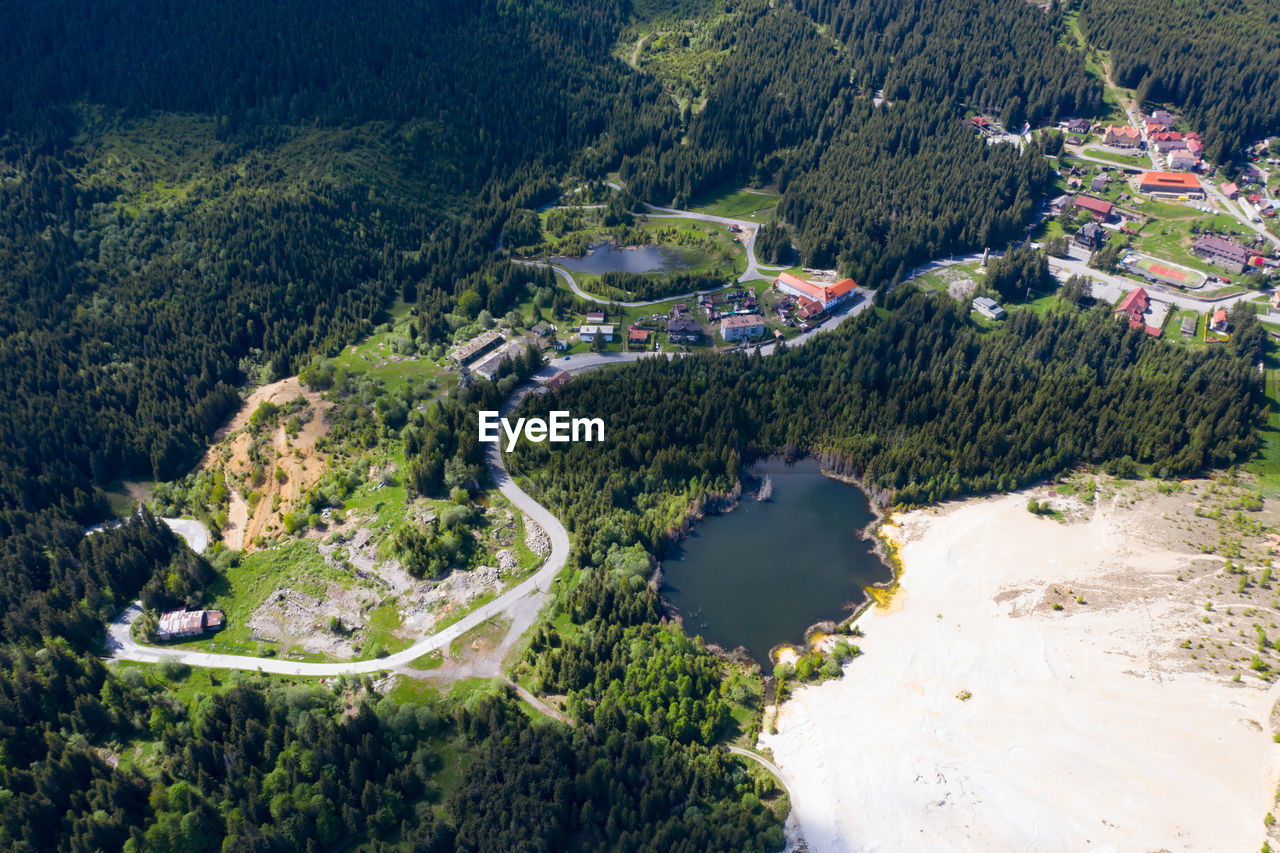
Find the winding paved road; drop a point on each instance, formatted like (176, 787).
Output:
(120, 645)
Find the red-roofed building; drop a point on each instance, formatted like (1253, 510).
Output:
(1133, 306)
(1167, 141)
(1219, 320)
(1171, 184)
(1230, 190)
(826, 295)
(809, 309)
(558, 380)
(1100, 208)
(637, 337)
(1137, 308)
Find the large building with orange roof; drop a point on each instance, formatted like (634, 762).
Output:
(1171, 185)
(826, 295)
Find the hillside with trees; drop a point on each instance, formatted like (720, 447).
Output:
(1216, 63)
(201, 197)
(918, 404)
(876, 191)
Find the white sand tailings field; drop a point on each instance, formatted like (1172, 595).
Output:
(1087, 728)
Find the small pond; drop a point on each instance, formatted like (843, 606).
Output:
(761, 574)
(607, 257)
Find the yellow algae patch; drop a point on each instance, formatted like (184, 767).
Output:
(787, 654)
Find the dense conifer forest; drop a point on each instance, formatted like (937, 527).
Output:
(1215, 61)
(876, 191)
(202, 196)
(918, 403)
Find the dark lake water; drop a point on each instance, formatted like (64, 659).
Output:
(761, 574)
(610, 258)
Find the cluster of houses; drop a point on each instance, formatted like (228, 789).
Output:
(595, 327)
(806, 302)
(180, 624)
(1091, 235)
(1182, 151)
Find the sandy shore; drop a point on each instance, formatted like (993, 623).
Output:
(1080, 730)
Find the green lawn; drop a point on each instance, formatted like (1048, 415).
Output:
(1130, 160)
(244, 587)
(754, 205)
(1173, 329)
(385, 357)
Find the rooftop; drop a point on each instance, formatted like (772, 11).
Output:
(1171, 181)
(1097, 205)
(822, 293)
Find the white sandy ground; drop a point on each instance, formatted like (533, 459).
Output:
(1076, 738)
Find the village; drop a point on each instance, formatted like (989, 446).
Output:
(752, 314)
(1153, 227)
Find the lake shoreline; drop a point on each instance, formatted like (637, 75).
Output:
(1030, 683)
(725, 580)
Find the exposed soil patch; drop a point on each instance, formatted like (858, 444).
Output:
(305, 622)
(269, 467)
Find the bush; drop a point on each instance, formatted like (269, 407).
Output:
(173, 669)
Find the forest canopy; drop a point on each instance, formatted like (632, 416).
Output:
(1216, 62)
(918, 403)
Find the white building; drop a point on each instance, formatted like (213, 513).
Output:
(740, 327)
(989, 308)
(587, 334)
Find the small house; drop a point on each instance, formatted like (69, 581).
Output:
(989, 308)
(595, 318)
(1100, 182)
(637, 338)
(1218, 321)
(558, 380)
(179, 624)
(1091, 236)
